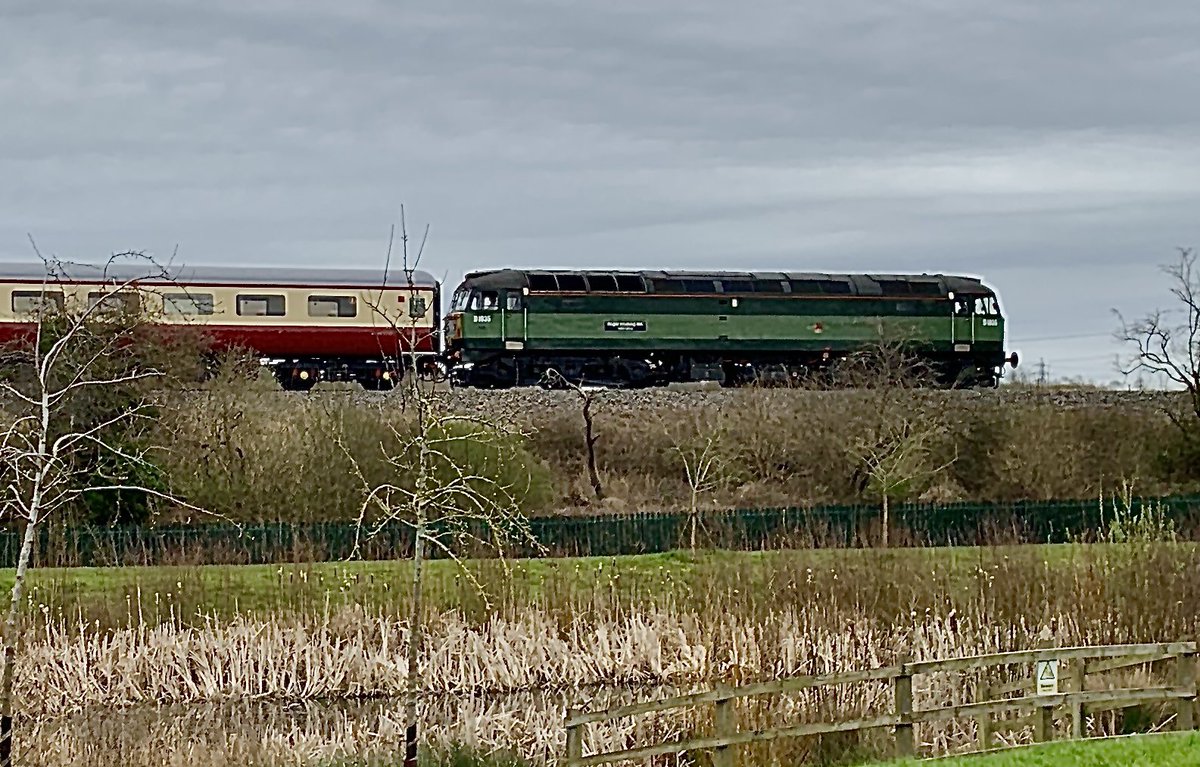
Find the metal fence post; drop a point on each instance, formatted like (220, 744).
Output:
(725, 726)
(902, 689)
(574, 738)
(1185, 678)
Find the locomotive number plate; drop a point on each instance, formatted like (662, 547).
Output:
(625, 325)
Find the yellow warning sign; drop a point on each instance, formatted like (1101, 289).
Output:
(1046, 677)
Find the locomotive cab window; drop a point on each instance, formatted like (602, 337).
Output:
(987, 306)
(188, 304)
(485, 300)
(261, 306)
(332, 306)
(115, 303)
(461, 297)
(36, 301)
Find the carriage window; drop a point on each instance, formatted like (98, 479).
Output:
(572, 282)
(485, 300)
(332, 306)
(188, 304)
(113, 303)
(261, 306)
(630, 283)
(36, 301)
(543, 283)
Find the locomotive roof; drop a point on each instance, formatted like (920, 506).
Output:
(519, 278)
(211, 275)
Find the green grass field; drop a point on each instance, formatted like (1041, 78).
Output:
(1168, 750)
(675, 575)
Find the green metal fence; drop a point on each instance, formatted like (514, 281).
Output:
(612, 535)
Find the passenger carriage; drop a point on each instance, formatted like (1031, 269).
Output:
(307, 325)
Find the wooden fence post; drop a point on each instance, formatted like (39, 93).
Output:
(725, 726)
(1078, 672)
(1185, 678)
(984, 720)
(902, 689)
(574, 738)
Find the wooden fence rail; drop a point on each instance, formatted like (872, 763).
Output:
(1043, 698)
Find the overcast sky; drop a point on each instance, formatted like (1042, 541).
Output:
(1050, 147)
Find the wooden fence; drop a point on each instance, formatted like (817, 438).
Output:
(1040, 695)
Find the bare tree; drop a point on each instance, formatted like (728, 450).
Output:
(701, 447)
(587, 397)
(454, 483)
(76, 388)
(1171, 348)
(897, 439)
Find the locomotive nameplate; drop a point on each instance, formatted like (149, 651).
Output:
(625, 325)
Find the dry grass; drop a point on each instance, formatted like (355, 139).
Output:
(500, 677)
(256, 455)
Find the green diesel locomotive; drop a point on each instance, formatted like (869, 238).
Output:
(512, 327)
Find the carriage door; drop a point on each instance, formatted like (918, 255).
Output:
(514, 317)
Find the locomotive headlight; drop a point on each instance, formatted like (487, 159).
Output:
(303, 375)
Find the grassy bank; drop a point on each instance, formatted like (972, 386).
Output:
(109, 593)
(1171, 750)
(255, 455)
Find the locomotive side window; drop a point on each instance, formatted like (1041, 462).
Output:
(514, 302)
(543, 283)
(261, 306)
(572, 282)
(602, 283)
(768, 286)
(630, 283)
(737, 286)
(188, 304)
(700, 286)
(121, 301)
(332, 306)
(36, 301)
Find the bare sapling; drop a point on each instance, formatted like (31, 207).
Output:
(701, 447)
(77, 392)
(897, 439)
(451, 484)
(587, 397)
(1170, 348)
